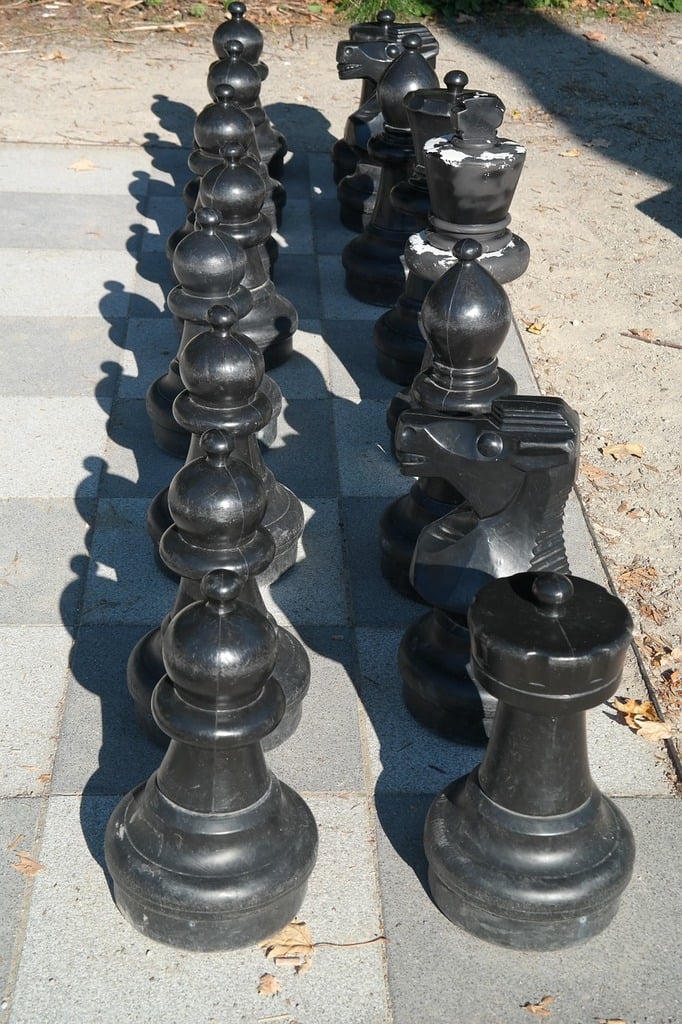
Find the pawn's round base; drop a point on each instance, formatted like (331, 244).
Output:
(524, 881)
(202, 881)
(437, 690)
(374, 271)
(357, 194)
(292, 671)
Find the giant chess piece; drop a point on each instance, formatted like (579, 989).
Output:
(220, 124)
(238, 26)
(209, 267)
(466, 317)
(217, 502)
(472, 175)
(226, 389)
(233, 69)
(236, 191)
(213, 852)
(366, 55)
(514, 469)
(372, 261)
(526, 851)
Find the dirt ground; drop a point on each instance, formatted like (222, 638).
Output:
(597, 102)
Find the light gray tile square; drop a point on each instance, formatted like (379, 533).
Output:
(46, 442)
(92, 283)
(98, 953)
(34, 662)
(52, 221)
(352, 361)
(150, 344)
(136, 466)
(18, 828)
(306, 373)
(337, 304)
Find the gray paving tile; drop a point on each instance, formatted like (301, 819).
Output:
(296, 277)
(352, 360)
(163, 215)
(329, 233)
(304, 432)
(51, 221)
(488, 985)
(34, 666)
(324, 754)
(313, 592)
(337, 304)
(306, 373)
(98, 722)
(101, 961)
(124, 583)
(321, 173)
(366, 465)
(39, 589)
(45, 443)
(97, 282)
(105, 170)
(28, 343)
(151, 285)
(18, 826)
(404, 757)
(374, 602)
(150, 344)
(296, 233)
(136, 466)
(295, 177)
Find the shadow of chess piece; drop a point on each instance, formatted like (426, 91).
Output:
(525, 851)
(367, 54)
(220, 124)
(399, 342)
(236, 191)
(213, 852)
(372, 261)
(514, 468)
(466, 317)
(226, 389)
(233, 69)
(217, 503)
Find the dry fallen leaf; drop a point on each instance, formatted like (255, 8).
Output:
(540, 1009)
(654, 731)
(516, 115)
(55, 55)
(83, 165)
(45, 777)
(637, 577)
(572, 152)
(595, 37)
(621, 451)
(294, 939)
(646, 334)
(642, 718)
(657, 613)
(268, 985)
(26, 866)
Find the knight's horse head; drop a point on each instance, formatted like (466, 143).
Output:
(367, 59)
(524, 440)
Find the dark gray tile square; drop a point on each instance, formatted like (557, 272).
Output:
(363, 442)
(304, 433)
(329, 233)
(352, 359)
(296, 277)
(137, 467)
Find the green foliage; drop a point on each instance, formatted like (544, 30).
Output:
(197, 11)
(409, 10)
(672, 6)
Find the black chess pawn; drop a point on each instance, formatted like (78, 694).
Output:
(372, 261)
(209, 267)
(238, 26)
(220, 124)
(367, 54)
(217, 503)
(213, 852)
(236, 191)
(232, 69)
(398, 339)
(466, 317)
(514, 469)
(526, 851)
(226, 388)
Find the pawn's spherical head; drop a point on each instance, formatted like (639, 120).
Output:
(467, 250)
(237, 9)
(221, 585)
(385, 17)
(207, 218)
(218, 444)
(412, 42)
(551, 590)
(221, 318)
(232, 153)
(393, 50)
(456, 81)
(224, 93)
(234, 49)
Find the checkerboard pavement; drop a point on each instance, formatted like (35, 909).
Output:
(83, 332)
